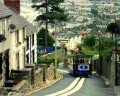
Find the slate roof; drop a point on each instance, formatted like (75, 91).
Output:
(16, 19)
(4, 12)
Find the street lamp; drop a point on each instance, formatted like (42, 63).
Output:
(115, 54)
(55, 51)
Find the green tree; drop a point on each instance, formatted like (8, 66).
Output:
(89, 40)
(41, 38)
(105, 44)
(53, 11)
(79, 46)
(106, 48)
(94, 11)
(111, 28)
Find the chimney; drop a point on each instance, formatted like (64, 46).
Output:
(13, 3)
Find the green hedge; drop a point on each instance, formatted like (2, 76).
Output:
(49, 59)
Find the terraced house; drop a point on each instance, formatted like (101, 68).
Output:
(14, 31)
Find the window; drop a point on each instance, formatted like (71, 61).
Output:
(17, 61)
(33, 56)
(17, 36)
(27, 56)
(27, 43)
(82, 35)
(32, 39)
(24, 56)
(0, 63)
(23, 33)
(3, 26)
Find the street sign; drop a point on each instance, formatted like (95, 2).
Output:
(83, 67)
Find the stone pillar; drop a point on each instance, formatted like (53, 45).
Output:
(45, 70)
(118, 72)
(32, 66)
(26, 74)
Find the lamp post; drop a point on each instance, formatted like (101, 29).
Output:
(115, 54)
(55, 51)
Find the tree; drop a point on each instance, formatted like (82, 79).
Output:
(79, 46)
(53, 11)
(111, 28)
(89, 40)
(94, 11)
(41, 38)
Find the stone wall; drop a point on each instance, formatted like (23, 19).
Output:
(118, 72)
(50, 72)
(107, 70)
(38, 76)
(3, 74)
(21, 87)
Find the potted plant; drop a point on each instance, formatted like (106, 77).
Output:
(25, 38)
(19, 43)
(0, 76)
(16, 82)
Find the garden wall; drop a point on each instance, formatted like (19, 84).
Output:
(107, 70)
(50, 72)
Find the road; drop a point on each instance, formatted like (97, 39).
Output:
(76, 86)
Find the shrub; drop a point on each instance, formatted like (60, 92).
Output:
(50, 59)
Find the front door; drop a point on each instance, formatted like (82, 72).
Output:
(7, 64)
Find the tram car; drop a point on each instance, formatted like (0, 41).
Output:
(80, 64)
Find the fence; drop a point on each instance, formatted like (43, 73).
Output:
(107, 70)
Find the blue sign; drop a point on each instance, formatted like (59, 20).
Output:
(83, 67)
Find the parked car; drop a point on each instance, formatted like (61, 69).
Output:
(43, 51)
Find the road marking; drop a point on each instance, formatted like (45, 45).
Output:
(60, 77)
(71, 86)
(63, 71)
(78, 87)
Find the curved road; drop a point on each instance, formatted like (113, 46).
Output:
(72, 86)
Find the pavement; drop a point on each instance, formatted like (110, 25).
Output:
(117, 90)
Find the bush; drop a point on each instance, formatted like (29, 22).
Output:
(49, 59)
(89, 40)
(107, 55)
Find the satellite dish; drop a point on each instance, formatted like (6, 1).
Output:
(12, 26)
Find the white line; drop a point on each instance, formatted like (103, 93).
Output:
(66, 89)
(63, 71)
(79, 85)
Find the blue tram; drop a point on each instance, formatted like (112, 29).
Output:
(80, 64)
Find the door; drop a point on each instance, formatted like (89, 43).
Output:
(7, 64)
(1, 63)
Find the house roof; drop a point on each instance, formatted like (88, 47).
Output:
(4, 12)
(30, 29)
(82, 32)
(17, 20)
(96, 32)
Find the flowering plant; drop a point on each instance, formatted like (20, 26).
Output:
(0, 76)
(19, 43)
(25, 38)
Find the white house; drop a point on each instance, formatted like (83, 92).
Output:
(12, 45)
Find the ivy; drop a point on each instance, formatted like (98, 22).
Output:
(107, 55)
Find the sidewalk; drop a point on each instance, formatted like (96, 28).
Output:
(117, 90)
(47, 84)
